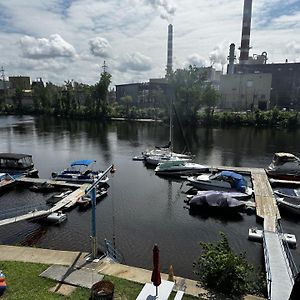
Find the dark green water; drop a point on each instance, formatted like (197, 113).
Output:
(141, 209)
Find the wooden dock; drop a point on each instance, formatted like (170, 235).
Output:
(58, 183)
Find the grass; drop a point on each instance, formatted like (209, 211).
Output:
(24, 283)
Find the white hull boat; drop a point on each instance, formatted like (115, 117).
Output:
(222, 181)
(56, 217)
(157, 159)
(180, 168)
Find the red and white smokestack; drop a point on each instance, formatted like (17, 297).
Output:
(246, 27)
(170, 49)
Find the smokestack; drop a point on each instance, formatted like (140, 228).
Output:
(231, 58)
(170, 49)
(246, 27)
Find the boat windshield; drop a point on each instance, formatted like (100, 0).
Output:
(282, 158)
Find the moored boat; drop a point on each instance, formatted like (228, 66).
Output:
(288, 199)
(80, 171)
(6, 181)
(86, 200)
(157, 159)
(285, 166)
(221, 181)
(17, 164)
(180, 168)
(56, 217)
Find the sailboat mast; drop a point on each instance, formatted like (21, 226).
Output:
(171, 125)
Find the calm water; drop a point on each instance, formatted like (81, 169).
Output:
(141, 208)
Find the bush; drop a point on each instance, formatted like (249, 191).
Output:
(221, 270)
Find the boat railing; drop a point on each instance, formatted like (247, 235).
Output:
(268, 268)
(112, 252)
(293, 269)
(15, 212)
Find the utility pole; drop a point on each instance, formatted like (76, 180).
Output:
(104, 67)
(4, 85)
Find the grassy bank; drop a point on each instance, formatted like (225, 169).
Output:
(23, 282)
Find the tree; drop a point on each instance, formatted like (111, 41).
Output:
(221, 270)
(210, 98)
(126, 100)
(187, 87)
(101, 93)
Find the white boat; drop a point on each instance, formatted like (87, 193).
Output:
(284, 166)
(222, 181)
(57, 217)
(232, 194)
(288, 199)
(6, 181)
(57, 197)
(86, 200)
(157, 159)
(180, 168)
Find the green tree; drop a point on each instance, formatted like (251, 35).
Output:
(210, 99)
(101, 93)
(223, 271)
(126, 100)
(187, 88)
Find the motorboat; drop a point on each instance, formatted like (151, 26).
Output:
(86, 200)
(215, 200)
(180, 168)
(157, 159)
(221, 181)
(80, 171)
(43, 187)
(57, 217)
(6, 181)
(232, 194)
(288, 199)
(285, 166)
(57, 197)
(17, 164)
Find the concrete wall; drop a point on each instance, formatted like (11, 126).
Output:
(242, 92)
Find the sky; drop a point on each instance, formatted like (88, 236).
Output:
(60, 40)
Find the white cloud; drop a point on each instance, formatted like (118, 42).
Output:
(135, 62)
(42, 48)
(196, 60)
(100, 47)
(166, 8)
(218, 56)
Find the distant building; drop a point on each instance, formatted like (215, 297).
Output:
(20, 82)
(242, 92)
(38, 83)
(285, 88)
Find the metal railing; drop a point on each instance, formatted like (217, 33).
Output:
(268, 268)
(112, 252)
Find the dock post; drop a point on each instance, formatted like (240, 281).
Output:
(94, 237)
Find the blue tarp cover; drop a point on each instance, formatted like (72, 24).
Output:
(83, 162)
(239, 181)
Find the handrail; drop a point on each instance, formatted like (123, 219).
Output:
(112, 252)
(268, 269)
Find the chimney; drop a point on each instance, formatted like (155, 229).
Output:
(231, 58)
(170, 49)
(246, 26)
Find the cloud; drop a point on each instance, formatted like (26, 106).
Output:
(217, 56)
(100, 47)
(42, 48)
(196, 60)
(135, 62)
(293, 48)
(166, 8)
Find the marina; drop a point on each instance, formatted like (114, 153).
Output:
(140, 208)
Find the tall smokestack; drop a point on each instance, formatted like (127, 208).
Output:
(231, 59)
(246, 27)
(170, 49)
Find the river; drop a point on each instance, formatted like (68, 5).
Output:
(141, 208)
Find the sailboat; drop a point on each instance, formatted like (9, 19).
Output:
(165, 153)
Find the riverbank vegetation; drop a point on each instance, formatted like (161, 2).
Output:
(24, 282)
(221, 270)
(194, 100)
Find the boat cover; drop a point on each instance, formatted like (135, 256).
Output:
(14, 156)
(238, 181)
(83, 162)
(215, 199)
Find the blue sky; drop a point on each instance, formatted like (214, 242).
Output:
(62, 40)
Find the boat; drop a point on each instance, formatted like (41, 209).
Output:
(86, 200)
(17, 164)
(221, 181)
(232, 194)
(157, 159)
(6, 181)
(288, 199)
(56, 217)
(284, 166)
(57, 197)
(80, 171)
(44, 187)
(217, 201)
(180, 168)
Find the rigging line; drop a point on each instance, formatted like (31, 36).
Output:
(181, 130)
